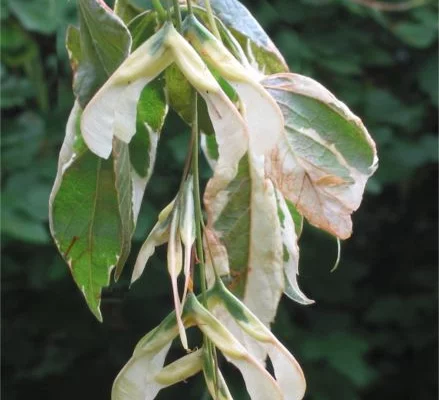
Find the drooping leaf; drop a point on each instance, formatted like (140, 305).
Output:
(258, 339)
(217, 387)
(179, 92)
(290, 252)
(259, 383)
(136, 381)
(187, 229)
(175, 265)
(257, 45)
(112, 111)
(126, 185)
(325, 157)
(242, 215)
(105, 43)
(84, 214)
(158, 236)
(144, 375)
(244, 81)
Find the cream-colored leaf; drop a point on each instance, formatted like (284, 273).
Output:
(243, 216)
(263, 116)
(325, 157)
(219, 389)
(215, 255)
(291, 253)
(230, 128)
(175, 263)
(138, 378)
(187, 230)
(259, 340)
(181, 369)
(112, 111)
(259, 383)
(158, 236)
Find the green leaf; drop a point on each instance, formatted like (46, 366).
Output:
(123, 181)
(85, 218)
(326, 156)
(297, 218)
(151, 113)
(105, 43)
(179, 92)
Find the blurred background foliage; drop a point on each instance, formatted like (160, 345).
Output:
(372, 332)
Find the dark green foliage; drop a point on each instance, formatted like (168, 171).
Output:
(371, 333)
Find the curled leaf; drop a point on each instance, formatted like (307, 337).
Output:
(291, 252)
(253, 334)
(325, 157)
(260, 384)
(230, 128)
(187, 229)
(112, 111)
(158, 236)
(181, 369)
(175, 263)
(215, 382)
(263, 116)
(137, 379)
(242, 215)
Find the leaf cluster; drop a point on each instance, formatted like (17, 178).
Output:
(379, 309)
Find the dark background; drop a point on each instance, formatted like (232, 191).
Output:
(372, 333)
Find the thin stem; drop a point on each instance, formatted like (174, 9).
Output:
(159, 8)
(211, 20)
(189, 7)
(198, 212)
(177, 13)
(168, 11)
(199, 237)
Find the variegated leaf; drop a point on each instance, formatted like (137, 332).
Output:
(291, 252)
(259, 340)
(242, 215)
(325, 157)
(257, 45)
